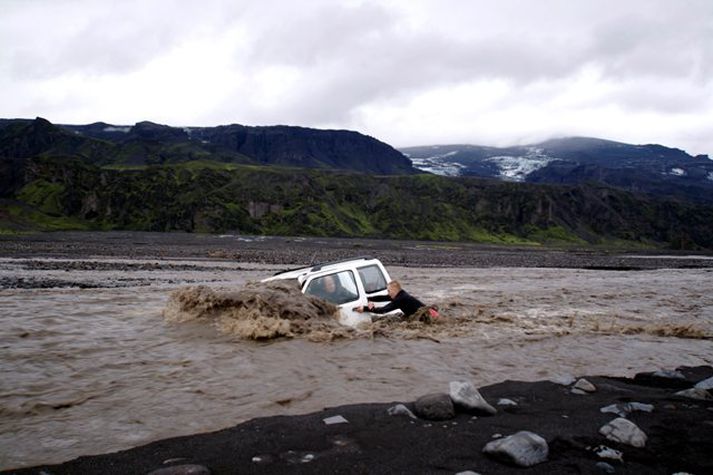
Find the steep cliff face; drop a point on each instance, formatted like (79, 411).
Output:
(147, 143)
(272, 200)
(311, 148)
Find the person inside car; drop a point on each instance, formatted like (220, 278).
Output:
(329, 289)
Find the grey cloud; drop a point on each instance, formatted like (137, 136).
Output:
(352, 57)
(658, 47)
(77, 37)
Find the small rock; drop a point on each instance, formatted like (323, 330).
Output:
(639, 406)
(696, 393)
(189, 469)
(465, 395)
(563, 380)
(578, 391)
(605, 452)
(585, 385)
(297, 457)
(468, 472)
(624, 409)
(400, 410)
(605, 467)
(624, 431)
(434, 407)
(523, 449)
(335, 420)
(663, 379)
(173, 460)
(506, 402)
(705, 384)
(668, 374)
(263, 459)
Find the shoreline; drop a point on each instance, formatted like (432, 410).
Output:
(300, 251)
(679, 434)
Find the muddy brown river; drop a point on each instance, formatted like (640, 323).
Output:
(95, 367)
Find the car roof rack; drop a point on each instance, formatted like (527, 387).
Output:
(324, 264)
(319, 266)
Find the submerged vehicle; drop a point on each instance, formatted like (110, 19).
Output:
(347, 284)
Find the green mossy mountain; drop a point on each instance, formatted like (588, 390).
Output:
(201, 196)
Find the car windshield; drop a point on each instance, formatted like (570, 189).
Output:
(336, 288)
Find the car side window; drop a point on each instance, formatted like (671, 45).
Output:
(337, 288)
(373, 279)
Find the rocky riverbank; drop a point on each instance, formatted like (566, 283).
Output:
(296, 251)
(657, 422)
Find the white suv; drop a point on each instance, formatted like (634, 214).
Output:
(347, 284)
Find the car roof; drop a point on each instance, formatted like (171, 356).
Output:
(301, 272)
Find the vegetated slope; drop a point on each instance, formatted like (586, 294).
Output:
(58, 193)
(653, 169)
(147, 143)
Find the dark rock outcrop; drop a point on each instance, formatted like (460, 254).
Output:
(148, 143)
(305, 147)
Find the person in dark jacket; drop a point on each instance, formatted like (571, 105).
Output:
(398, 299)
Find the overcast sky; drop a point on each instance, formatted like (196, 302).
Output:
(409, 72)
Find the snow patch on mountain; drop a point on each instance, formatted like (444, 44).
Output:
(678, 171)
(112, 128)
(516, 168)
(710, 176)
(438, 164)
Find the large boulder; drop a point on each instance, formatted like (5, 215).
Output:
(624, 431)
(696, 393)
(465, 395)
(523, 449)
(434, 407)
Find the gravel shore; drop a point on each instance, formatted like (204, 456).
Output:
(300, 251)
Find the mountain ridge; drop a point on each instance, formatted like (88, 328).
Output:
(148, 143)
(652, 168)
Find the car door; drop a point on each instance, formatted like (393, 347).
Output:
(374, 279)
(341, 289)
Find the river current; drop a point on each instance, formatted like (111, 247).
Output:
(89, 365)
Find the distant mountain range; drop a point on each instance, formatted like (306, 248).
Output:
(652, 169)
(147, 143)
(298, 181)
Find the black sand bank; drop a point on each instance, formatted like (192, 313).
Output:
(679, 434)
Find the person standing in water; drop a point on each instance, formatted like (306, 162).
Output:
(398, 299)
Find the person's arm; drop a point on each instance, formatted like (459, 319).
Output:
(385, 309)
(380, 298)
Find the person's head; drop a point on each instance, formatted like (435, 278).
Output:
(330, 285)
(393, 288)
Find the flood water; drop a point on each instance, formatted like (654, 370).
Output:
(89, 365)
